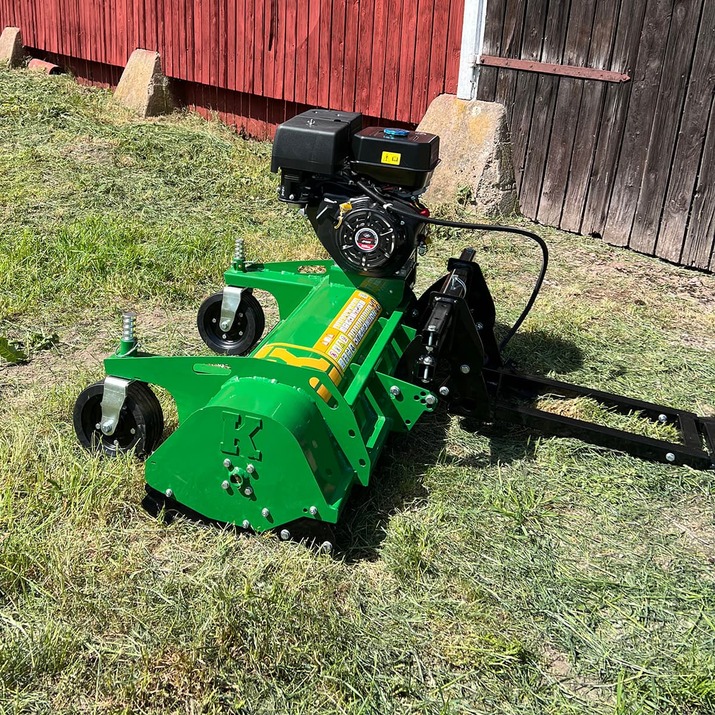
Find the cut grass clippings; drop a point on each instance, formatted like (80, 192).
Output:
(494, 571)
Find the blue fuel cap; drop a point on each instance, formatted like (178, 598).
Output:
(395, 132)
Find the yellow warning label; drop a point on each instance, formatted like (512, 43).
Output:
(391, 157)
(344, 335)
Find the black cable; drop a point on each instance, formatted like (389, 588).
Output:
(477, 227)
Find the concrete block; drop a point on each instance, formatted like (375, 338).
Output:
(11, 51)
(475, 147)
(143, 86)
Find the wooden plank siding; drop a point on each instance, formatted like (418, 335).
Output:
(633, 162)
(257, 62)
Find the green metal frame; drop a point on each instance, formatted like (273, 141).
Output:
(262, 443)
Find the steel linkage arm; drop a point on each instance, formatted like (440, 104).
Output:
(509, 389)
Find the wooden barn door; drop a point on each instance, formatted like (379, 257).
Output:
(633, 161)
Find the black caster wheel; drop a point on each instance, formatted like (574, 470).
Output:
(245, 332)
(140, 426)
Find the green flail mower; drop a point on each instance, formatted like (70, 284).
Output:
(275, 433)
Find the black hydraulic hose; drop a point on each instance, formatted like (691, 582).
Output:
(477, 227)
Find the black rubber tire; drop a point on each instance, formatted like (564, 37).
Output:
(245, 332)
(141, 421)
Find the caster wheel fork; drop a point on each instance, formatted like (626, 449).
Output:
(139, 426)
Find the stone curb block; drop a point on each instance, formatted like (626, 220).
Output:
(143, 87)
(476, 168)
(11, 51)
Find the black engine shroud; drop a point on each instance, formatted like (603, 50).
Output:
(324, 156)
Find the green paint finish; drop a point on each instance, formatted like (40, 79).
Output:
(298, 429)
(280, 449)
(290, 282)
(126, 347)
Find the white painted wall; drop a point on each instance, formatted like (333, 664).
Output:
(475, 12)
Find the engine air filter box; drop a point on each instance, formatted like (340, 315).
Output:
(316, 141)
(396, 156)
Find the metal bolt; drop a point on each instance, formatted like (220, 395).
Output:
(250, 468)
(225, 484)
(98, 425)
(313, 510)
(169, 493)
(227, 463)
(128, 324)
(395, 391)
(430, 400)
(246, 524)
(422, 249)
(285, 534)
(415, 313)
(265, 512)
(670, 457)
(444, 391)
(465, 369)
(225, 325)
(248, 491)
(480, 326)
(429, 360)
(662, 418)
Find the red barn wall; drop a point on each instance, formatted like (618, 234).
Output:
(257, 62)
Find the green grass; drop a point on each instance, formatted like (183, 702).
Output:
(482, 572)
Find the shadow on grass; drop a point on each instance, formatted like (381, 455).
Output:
(397, 482)
(538, 352)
